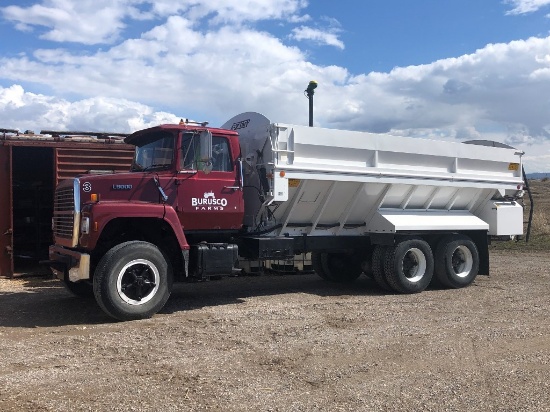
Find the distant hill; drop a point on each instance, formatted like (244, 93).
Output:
(538, 175)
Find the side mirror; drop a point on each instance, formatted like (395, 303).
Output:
(205, 154)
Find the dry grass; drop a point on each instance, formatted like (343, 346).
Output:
(541, 223)
(541, 199)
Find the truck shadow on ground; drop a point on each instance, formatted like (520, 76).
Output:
(44, 302)
(236, 290)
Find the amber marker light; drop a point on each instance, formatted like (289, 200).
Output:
(94, 197)
(96, 227)
(282, 173)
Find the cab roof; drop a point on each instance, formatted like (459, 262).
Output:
(178, 127)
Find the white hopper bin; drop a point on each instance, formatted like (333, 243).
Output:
(355, 183)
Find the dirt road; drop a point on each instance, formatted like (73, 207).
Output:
(285, 343)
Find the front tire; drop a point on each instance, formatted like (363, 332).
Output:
(132, 281)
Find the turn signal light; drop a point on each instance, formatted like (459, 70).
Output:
(94, 197)
(282, 173)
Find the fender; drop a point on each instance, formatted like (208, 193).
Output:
(100, 214)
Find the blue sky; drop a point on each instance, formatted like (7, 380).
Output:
(448, 69)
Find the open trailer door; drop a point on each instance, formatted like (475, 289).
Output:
(6, 215)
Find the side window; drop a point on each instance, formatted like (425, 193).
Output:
(221, 161)
(190, 153)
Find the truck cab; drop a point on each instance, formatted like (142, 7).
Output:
(198, 171)
(184, 189)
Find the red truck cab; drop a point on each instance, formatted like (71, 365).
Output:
(184, 190)
(202, 184)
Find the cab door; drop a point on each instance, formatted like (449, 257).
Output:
(209, 200)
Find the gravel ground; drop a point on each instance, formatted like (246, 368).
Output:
(285, 343)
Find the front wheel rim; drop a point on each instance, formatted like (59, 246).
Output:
(414, 265)
(138, 282)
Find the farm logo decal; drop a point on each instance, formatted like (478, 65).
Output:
(208, 202)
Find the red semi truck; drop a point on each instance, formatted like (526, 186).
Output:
(198, 201)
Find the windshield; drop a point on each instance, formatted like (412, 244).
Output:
(154, 151)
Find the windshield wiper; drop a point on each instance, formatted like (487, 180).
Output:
(155, 166)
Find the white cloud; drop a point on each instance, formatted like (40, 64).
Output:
(85, 21)
(175, 66)
(29, 111)
(214, 71)
(500, 85)
(329, 38)
(235, 11)
(102, 21)
(526, 6)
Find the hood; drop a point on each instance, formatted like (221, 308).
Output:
(133, 187)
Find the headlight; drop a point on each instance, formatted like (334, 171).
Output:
(85, 225)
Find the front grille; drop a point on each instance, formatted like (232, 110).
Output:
(65, 214)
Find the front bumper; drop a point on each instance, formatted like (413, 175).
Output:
(69, 265)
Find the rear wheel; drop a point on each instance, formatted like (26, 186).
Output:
(456, 261)
(317, 264)
(132, 281)
(337, 267)
(378, 256)
(366, 262)
(409, 265)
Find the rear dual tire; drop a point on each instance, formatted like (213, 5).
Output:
(336, 267)
(409, 266)
(378, 256)
(456, 261)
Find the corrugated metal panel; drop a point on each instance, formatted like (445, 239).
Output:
(6, 213)
(68, 156)
(72, 161)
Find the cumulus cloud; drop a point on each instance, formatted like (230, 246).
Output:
(23, 110)
(217, 66)
(102, 21)
(500, 87)
(85, 21)
(526, 6)
(175, 66)
(322, 37)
